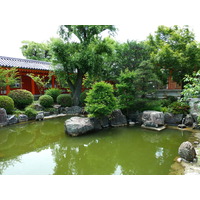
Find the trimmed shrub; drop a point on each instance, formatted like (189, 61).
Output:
(7, 103)
(64, 100)
(21, 98)
(53, 92)
(179, 108)
(100, 100)
(30, 112)
(46, 101)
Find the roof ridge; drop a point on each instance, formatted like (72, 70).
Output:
(23, 59)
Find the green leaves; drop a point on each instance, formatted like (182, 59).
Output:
(174, 49)
(100, 100)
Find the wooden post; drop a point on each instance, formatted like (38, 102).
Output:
(32, 86)
(53, 81)
(7, 89)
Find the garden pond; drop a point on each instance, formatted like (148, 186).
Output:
(43, 148)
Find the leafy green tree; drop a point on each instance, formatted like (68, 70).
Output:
(7, 76)
(136, 84)
(192, 86)
(85, 55)
(174, 51)
(36, 51)
(100, 100)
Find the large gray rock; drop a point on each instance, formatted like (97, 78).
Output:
(187, 151)
(74, 110)
(23, 118)
(39, 116)
(118, 119)
(188, 120)
(173, 118)
(153, 118)
(12, 119)
(3, 117)
(76, 126)
(194, 104)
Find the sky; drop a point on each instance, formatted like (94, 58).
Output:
(10, 46)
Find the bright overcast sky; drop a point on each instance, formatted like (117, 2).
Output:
(10, 46)
(39, 20)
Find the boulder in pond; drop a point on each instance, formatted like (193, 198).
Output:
(12, 119)
(187, 151)
(188, 120)
(3, 117)
(76, 126)
(39, 116)
(23, 118)
(118, 119)
(173, 119)
(153, 118)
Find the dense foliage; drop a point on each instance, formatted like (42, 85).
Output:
(36, 51)
(100, 100)
(64, 100)
(7, 103)
(88, 55)
(192, 86)
(174, 51)
(7, 77)
(30, 112)
(21, 98)
(46, 101)
(53, 92)
(179, 108)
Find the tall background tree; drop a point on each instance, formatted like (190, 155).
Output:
(36, 51)
(174, 52)
(81, 50)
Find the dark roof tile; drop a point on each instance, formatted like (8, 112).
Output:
(24, 63)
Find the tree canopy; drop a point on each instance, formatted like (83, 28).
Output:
(76, 58)
(174, 51)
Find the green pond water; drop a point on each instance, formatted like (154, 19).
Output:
(44, 148)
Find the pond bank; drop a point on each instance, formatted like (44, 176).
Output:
(188, 168)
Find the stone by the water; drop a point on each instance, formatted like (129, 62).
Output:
(3, 117)
(187, 151)
(76, 126)
(118, 119)
(153, 119)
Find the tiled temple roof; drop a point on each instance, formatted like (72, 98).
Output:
(24, 63)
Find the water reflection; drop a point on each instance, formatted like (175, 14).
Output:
(44, 148)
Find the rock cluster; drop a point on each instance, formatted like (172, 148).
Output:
(80, 125)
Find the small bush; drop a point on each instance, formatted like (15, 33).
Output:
(54, 93)
(100, 100)
(30, 112)
(179, 108)
(64, 100)
(21, 98)
(46, 101)
(7, 103)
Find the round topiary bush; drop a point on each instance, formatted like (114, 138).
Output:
(21, 98)
(7, 103)
(46, 101)
(53, 92)
(100, 100)
(64, 100)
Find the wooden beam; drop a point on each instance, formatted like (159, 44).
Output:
(32, 86)
(53, 81)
